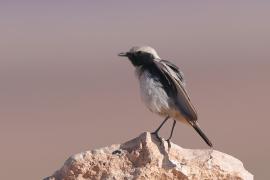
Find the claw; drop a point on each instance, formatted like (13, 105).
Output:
(169, 143)
(157, 136)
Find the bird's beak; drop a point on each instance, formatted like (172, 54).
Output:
(123, 54)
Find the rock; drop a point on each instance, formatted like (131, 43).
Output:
(146, 158)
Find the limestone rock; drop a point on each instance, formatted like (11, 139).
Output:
(146, 158)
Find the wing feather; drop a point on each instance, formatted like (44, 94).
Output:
(175, 78)
(175, 69)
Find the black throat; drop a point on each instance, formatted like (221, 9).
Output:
(141, 58)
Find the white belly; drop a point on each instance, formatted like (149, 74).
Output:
(156, 98)
(153, 94)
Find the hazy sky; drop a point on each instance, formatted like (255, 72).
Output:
(64, 90)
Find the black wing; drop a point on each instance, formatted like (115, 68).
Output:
(175, 78)
(175, 69)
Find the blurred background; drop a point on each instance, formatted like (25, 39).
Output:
(64, 90)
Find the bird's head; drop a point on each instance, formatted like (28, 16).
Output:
(139, 56)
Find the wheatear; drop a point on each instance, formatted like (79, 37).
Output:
(163, 89)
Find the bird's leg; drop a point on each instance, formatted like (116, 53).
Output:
(169, 139)
(157, 130)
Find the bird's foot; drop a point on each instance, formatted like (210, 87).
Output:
(169, 143)
(210, 155)
(157, 136)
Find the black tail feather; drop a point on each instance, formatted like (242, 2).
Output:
(195, 125)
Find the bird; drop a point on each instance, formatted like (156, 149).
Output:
(163, 90)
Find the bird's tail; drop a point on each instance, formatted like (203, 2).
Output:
(196, 126)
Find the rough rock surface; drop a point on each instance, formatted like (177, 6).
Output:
(145, 158)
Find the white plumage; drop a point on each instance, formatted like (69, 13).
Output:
(153, 93)
(155, 97)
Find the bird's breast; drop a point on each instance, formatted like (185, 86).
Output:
(155, 97)
(153, 93)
